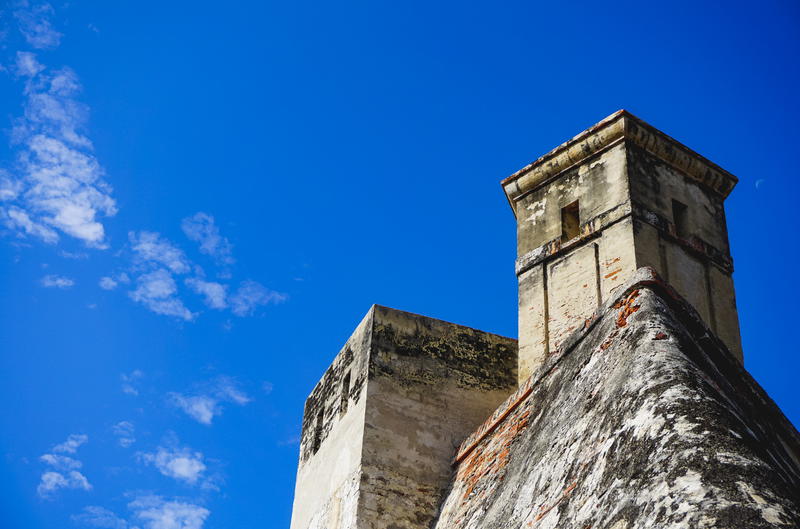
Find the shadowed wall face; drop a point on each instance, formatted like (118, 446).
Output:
(619, 196)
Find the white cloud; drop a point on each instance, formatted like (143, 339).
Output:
(63, 472)
(27, 65)
(107, 283)
(71, 445)
(251, 295)
(154, 512)
(156, 291)
(201, 228)
(52, 481)
(73, 255)
(228, 391)
(59, 183)
(35, 25)
(150, 247)
(101, 517)
(124, 431)
(59, 462)
(204, 405)
(128, 381)
(9, 188)
(214, 293)
(18, 220)
(178, 463)
(201, 408)
(56, 281)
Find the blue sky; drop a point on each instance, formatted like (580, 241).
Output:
(200, 201)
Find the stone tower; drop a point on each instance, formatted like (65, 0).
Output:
(627, 405)
(619, 196)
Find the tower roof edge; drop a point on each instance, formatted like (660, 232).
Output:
(619, 126)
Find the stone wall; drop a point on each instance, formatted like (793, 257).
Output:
(642, 419)
(329, 470)
(421, 386)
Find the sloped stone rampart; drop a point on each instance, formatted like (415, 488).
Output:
(642, 419)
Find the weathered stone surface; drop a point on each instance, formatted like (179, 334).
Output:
(641, 199)
(380, 428)
(642, 419)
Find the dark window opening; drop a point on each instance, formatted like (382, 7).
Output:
(345, 394)
(570, 221)
(318, 431)
(680, 215)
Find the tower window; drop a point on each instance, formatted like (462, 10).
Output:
(345, 394)
(570, 221)
(318, 431)
(680, 219)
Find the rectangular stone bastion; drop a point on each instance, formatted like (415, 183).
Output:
(381, 426)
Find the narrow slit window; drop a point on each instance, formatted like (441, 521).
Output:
(345, 394)
(570, 221)
(318, 431)
(680, 215)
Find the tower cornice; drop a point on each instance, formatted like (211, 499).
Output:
(619, 126)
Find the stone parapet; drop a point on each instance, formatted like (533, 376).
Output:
(620, 126)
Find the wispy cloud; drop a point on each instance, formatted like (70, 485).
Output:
(179, 463)
(157, 291)
(58, 184)
(214, 294)
(73, 255)
(155, 512)
(63, 471)
(150, 248)
(53, 481)
(110, 283)
(148, 511)
(156, 260)
(206, 403)
(251, 295)
(124, 430)
(71, 445)
(95, 516)
(201, 408)
(60, 462)
(201, 228)
(35, 26)
(129, 381)
(107, 283)
(56, 281)
(56, 188)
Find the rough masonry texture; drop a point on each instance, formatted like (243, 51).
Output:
(642, 419)
(626, 404)
(639, 198)
(380, 428)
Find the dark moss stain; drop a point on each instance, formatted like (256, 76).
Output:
(326, 397)
(468, 357)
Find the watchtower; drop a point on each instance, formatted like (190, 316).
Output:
(619, 196)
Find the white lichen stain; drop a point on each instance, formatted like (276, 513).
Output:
(770, 512)
(537, 210)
